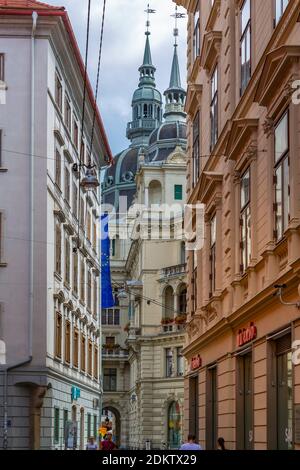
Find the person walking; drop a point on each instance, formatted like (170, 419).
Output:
(108, 443)
(221, 444)
(191, 444)
(91, 445)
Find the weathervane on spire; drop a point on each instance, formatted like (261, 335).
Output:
(176, 15)
(149, 11)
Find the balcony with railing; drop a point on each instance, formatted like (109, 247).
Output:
(171, 271)
(115, 352)
(173, 325)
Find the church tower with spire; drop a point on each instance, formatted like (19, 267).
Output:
(146, 102)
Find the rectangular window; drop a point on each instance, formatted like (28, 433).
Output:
(245, 221)
(95, 427)
(66, 416)
(194, 281)
(90, 357)
(82, 352)
(68, 115)
(89, 425)
(89, 226)
(67, 185)
(214, 121)
(94, 235)
(110, 380)
(75, 133)
(58, 249)
(58, 168)
(81, 212)
(95, 307)
(180, 362)
(68, 342)
(2, 75)
(96, 373)
(75, 199)
(75, 347)
(75, 273)
(56, 425)
(89, 290)
(212, 256)
(82, 152)
(58, 91)
(169, 362)
(178, 192)
(281, 178)
(245, 44)
(280, 6)
(196, 149)
(196, 32)
(110, 316)
(82, 281)
(58, 334)
(67, 261)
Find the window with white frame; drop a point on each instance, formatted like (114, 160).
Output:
(281, 176)
(245, 220)
(212, 254)
(2, 75)
(214, 122)
(169, 362)
(245, 44)
(196, 32)
(58, 91)
(196, 147)
(280, 6)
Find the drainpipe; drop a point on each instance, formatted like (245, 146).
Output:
(30, 315)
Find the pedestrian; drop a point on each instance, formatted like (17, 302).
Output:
(191, 444)
(221, 444)
(108, 443)
(91, 445)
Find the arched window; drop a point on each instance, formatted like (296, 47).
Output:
(174, 425)
(135, 113)
(176, 97)
(150, 110)
(155, 193)
(170, 97)
(169, 303)
(158, 113)
(145, 113)
(182, 299)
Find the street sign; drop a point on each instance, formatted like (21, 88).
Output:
(75, 393)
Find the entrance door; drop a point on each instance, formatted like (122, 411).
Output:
(245, 403)
(81, 429)
(211, 409)
(284, 389)
(194, 407)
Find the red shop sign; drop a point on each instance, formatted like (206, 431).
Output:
(246, 335)
(196, 362)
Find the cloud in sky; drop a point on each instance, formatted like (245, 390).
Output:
(122, 53)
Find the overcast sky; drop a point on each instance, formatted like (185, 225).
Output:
(122, 54)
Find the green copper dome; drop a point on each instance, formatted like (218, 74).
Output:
(146, 103)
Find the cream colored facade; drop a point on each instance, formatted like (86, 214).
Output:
(145, 389)
(244, 379)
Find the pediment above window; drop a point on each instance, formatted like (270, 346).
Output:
(242, 132)
(279, 65)
(214, 13)
(210, 49)
(210, 185)
(193, 99)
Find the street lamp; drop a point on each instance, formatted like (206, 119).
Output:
(90, 180)
(279, 294)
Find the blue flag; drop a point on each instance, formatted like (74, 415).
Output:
(107, 300)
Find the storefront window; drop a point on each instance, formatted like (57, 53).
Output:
(174, 425)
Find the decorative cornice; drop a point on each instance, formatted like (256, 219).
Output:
(277, 66)
(59, 214)
(242, 131)
(214, 13)
(193, 99)
(210, 50)
(210, 183)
